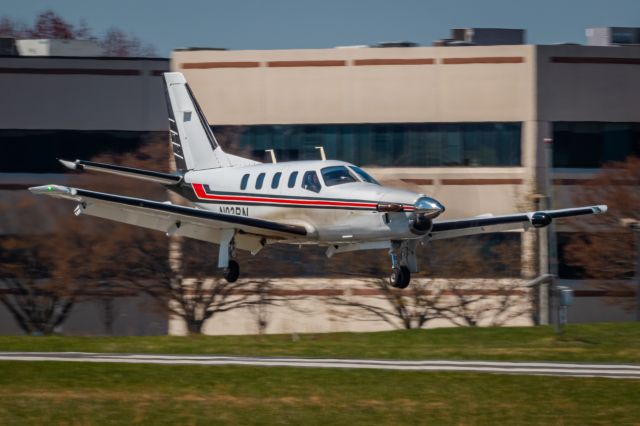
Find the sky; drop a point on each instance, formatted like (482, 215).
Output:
(296, 24)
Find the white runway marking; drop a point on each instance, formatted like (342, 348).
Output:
(617, 371)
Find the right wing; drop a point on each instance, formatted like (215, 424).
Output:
(519, 221)
(174, 219)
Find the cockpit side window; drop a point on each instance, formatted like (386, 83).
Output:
(337, 175)
(366, 177)
(311, 182)
(260, 181)
(244, 182)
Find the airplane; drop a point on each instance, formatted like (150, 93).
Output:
(241, 204)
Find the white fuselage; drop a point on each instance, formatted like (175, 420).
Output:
(336, 207)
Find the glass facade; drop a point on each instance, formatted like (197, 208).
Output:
(386, 145)
(37, 151)
(591, 144)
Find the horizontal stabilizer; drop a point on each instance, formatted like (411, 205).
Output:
(148, 175)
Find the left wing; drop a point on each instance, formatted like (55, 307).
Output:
(483, 224)
(175, 219)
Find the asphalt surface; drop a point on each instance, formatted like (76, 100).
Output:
(616, 371)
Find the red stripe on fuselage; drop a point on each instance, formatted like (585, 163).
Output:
(202, 194)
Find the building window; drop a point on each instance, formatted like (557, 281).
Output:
(387, 145)
(260, 181)
(276, 180)
(591, 144)
(37, 151)
(292, 179)
(244, 182)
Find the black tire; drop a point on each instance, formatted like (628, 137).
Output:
(406, 277)
(231, 272)
(396, 277)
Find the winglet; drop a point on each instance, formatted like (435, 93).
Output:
(600, 209)
(58, 191)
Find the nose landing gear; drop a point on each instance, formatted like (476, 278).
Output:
(400, 277)
(231, 272)
(401, 270)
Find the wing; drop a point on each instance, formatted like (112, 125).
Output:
(522, 221)
(174, 219)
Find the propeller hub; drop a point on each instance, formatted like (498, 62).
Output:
(428, 207)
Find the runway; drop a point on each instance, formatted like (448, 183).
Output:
(615, 371)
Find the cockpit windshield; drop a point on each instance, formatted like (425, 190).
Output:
(364, 175)
(337, 175)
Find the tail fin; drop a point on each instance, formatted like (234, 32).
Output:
(193, 143)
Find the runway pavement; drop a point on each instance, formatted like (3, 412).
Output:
(617, 371)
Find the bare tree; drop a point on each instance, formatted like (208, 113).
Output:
(601, 248)
(462, 299)
(48, 24)
(118, 43)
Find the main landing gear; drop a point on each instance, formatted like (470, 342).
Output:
(226, 254)
(403, 262)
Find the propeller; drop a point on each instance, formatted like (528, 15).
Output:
(426, 209)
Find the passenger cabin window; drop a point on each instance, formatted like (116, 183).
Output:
(311, 182)
(292, 179)
(276, 180)
(364, 175)
(260, 181)
(244, 182)
(337, 175)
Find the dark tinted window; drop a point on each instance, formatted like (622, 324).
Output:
(387, 145)
(336, 175)
(260, 181)
(245, 180)
(37, 151)
(276, 180)
(591, 144)
(292, 179)
(311, 182)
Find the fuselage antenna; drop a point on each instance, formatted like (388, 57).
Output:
(322, 154)
(273, 155)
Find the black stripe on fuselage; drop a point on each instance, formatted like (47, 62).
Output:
(208, 190)
(197, 213)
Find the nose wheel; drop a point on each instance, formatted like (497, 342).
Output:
(403, 262)
(400, 277)
(231, 272)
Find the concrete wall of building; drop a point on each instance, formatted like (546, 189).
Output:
(362, 85)
(588, 83)
(82, 93)
(311, 309)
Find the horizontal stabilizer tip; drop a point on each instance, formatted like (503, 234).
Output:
(72, 165)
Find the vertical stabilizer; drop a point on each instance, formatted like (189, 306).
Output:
(193, 143)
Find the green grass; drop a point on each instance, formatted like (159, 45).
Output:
(618, 342)
(87, 393)
(70, 393)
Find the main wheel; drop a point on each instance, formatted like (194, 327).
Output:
(231, 272)
(400, 277)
